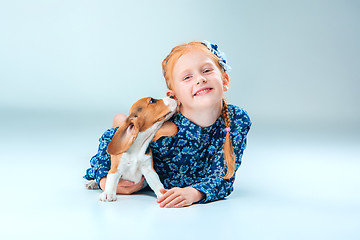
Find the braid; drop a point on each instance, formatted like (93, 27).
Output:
(229, 154)
(226, 114)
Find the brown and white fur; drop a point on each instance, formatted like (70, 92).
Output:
(131, 157)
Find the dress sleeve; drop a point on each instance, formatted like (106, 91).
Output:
(214, 186)
(100, 162)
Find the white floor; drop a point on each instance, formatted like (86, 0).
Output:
(290, 186)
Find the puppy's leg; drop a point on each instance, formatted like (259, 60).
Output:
(91, 185)
(152, 178)
(112, 180)
(109, 193)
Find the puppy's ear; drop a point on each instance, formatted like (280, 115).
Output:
(168, 129)
(124, 137)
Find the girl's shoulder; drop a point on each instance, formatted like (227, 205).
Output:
(240, 120)
(236, 112)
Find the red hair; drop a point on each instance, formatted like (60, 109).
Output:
(168, 66)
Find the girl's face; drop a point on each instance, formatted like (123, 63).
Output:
(197, 82)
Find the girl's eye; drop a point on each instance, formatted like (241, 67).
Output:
(187, 77)
(206, 70)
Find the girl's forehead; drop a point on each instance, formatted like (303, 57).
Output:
(192, 58)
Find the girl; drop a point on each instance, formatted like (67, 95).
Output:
(199, 163)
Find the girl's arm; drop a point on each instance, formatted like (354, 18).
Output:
(100, 163)
(209, 189)
(214, 186)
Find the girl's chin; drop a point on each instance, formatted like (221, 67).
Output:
(203, 102)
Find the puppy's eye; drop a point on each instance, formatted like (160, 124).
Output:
(152, 101)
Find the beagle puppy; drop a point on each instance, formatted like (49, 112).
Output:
(131, 157)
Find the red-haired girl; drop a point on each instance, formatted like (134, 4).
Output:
(199, 163)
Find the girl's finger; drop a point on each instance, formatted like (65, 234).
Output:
(167, 194)
(168, 199)
(174, 202)
(182, 204)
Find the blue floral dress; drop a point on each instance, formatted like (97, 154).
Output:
(193, 157)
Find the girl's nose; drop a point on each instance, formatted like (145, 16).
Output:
(201, 79)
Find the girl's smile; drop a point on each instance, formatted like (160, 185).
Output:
(203, 91)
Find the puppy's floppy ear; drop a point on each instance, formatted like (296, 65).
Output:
(124, 137)
(168, 129)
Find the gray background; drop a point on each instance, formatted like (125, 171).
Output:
(66, 67)
(294, 62)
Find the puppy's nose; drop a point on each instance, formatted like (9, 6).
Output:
(172, 97)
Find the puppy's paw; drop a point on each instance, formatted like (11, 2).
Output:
(107, 197)
(91, 185)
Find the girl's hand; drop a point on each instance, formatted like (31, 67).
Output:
(124, 186)
(179, 197)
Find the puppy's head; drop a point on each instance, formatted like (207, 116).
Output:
(144, 114)
(150, 111)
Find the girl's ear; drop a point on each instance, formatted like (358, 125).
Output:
(170, 93)
(226, 81)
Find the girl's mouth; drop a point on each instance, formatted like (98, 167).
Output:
(202, 92)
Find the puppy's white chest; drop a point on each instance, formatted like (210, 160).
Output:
(130, 166)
